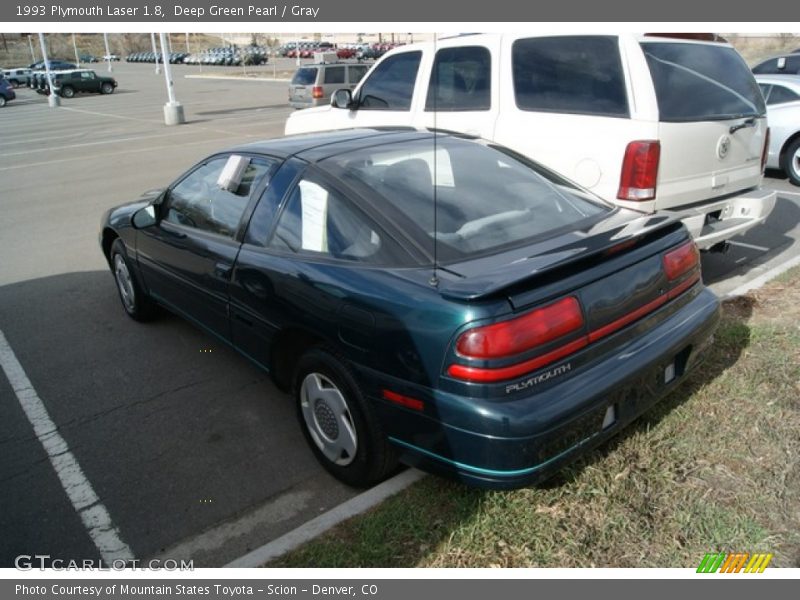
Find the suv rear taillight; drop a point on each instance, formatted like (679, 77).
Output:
(765, 152)
(639, 171)
(316, 92)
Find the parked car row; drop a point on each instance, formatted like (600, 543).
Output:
(152, 57)
(228, 56)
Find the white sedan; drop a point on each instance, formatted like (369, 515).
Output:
(782, 93)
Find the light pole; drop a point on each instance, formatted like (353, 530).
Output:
(173, 110)
(108, 53)
(155, 51)
(75, 46)
(33, 55)
(53, 100)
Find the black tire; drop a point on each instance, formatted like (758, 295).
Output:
(137, 304)
(14, 83)
(791, 162)
(106, 88)
(374, 458)
(67, 91)
(2, 101)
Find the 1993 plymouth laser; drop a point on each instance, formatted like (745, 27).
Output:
(426, 298)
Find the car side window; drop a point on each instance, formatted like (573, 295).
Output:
(391, 84)
(199, 202)
(570, 74)
(87, 75)
(334, 75)
(781, 95)
(765, 89)
(460, 80)
(319, 221)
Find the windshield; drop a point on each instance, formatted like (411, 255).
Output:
(699, 82)
(486, 199)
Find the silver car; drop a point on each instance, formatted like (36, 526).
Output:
(782, 93)
(312, 85)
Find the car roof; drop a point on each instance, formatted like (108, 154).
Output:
(314, 147)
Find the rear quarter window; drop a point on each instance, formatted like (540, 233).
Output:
(570, 74)
(701, 82)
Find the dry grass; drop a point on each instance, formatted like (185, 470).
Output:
(714, 467)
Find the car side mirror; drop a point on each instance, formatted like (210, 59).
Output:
(144, 217)
(343, 99)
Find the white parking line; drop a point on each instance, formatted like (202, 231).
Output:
(785, 193)
(92, 512)
(97, 143)
(133, 150)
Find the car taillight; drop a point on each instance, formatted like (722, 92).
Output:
(639, 170)
(509, 338)
(681, 260)
(765, 152)
(316, 92)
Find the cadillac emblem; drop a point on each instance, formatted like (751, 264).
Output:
(723, 146)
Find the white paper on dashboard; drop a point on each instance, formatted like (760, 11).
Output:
(314, 201)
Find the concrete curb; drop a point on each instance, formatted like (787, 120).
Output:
(759, 281)
(319, 525)
(231, 78)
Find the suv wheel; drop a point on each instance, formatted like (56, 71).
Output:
(791, 161)
(67, 91)
(106, 88)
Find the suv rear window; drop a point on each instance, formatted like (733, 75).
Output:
(305, 76)
(699, 82)
(570, 74)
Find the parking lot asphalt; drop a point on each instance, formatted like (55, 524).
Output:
(189, 447)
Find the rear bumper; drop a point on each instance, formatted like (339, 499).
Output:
(713, 222)
(526, 439)
(308, 103)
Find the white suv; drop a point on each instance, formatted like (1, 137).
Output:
(650, 123)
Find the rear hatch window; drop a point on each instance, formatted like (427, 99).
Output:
(305, 76)
(486, 200)
(699, 82)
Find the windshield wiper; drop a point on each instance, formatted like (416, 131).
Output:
(751, 122)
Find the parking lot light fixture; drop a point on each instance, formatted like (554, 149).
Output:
(75, 46)
(155, 52)
(108, 53)
(173, 110)
(53, 100)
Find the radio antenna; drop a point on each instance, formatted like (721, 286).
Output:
(434, 280)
